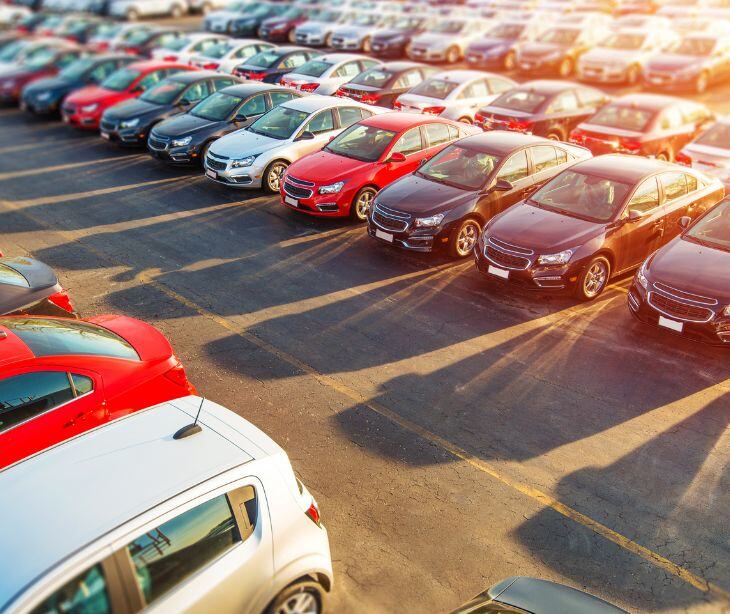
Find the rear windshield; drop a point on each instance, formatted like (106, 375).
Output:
(11, 277)
(717, 135)
(519, 100)
(265, 59)
(164, 93)
(49, 337)
(623, 118)
(375, 77)
(434, 88)
(313, 68)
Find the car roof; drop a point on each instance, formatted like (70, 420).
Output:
(308, 104)
(249, 88)
(115, 473)
(284, 49)
(502, 142)
(191, 76)
(625, 168)
(146, 65)
(547, 86)
(460, 76)
(400, 121)
(654, 102)
(400, 65)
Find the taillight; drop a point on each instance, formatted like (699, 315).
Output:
(132, 50)
(178, 376)
(62, 300)
(313, 513)
(519, 125)
(577, 136)
(254, 76)
(629, 144)
(340, 93)
(434, 110)
(308, 87)
(397, 106)
(683, 158)
(284, 82)
(370, 98)
(479, 118)
(210, 66)
(170, 58)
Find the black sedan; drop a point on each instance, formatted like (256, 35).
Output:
(544, 108)
(29, 286)
(45, 96)
(129, 122)
(271, 65)
(393, 42)
(185, 138)
(143, 41)
(381, 85)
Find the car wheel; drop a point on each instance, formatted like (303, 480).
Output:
(132, 14)
(452, 55)
(464, 238)
(367, 46)
(632, 74)
(299, 598)
(273, 174)
(407, 49)
(361, 203)
(328, 40)
(555, 136)
(701, 83)
(594, 278)
(292, 36)
(466, 120)
(665, 156)
(566, 67)
(510, 61)
(176, 12)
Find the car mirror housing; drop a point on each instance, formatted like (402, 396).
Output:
(396, 157)
(502, 185)
(634, 215)
(305, 136)
(241, 117)
(684, 221)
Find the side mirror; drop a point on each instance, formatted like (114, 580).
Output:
(684, 221)
(332, 138)
(396, 157)
(423, 161)
(634, 215)
(241, 117)
(503, 185)
(305, 136)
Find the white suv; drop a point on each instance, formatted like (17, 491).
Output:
(127, 517)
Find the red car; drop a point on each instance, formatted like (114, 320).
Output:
(83, 108)
(343, 178)
(46, 62)
(60, 377)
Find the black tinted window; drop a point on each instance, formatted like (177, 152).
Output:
(85, 594)
(12, 277)
(26, 396)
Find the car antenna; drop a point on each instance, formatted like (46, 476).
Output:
(190, 429)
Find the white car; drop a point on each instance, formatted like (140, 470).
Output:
(454, 94)
(228, 54)
(447, 40)
(10, 14)
(317, 31)
(325, 73)
(131, 10)
(357, 35)
(710, 152)
(184, 48)
(259, 155)
(130, 517)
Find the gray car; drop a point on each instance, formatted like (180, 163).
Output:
(317, 32)
(357, 35)
(447, 40)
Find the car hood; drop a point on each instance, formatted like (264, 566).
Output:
(244, 143)
(608, 55)
(324, 167)
(93, 93)
(429, 39)
(273, 22)
(135, 108)
(421, 197)
(691, 267)
(542, 230)
(537, 50)
(672, 61)
(54, 84)
(15, 73)
(184, 125)
(389, 33)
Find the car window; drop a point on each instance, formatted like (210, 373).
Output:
(278, 98)
(203, 46)
(245, 52)
(102, 71)
(497, 85)
(645, 198)
(691, 181)
(294, 60)
(348, 70)
(514, 168)
(365, 64)
(28, 395)
(256, 105)
(476, 89)
(562, 156)
(166, 39)
(349, 116)
(409, 143)
(453, 132)
(196, 92)
(564, 103)
(437, 134)
(66, 59)
(219, 84)
(590, 97)
(671, 119)
(543, 157)
(674, 185)
(85, 593)
(408, 79)
(151, 79)
(165, 556)
(322, 122)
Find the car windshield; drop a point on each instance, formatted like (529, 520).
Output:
(506, 31)
(365, 143)
(264, 59)
(217, 107)
(279, 123)
(519, 100)
(135, 37)
(459, 167)
(624, 40)
(120, 80)
(718, 135)
(313, 68)
(699, 47)
(219, 49)
(52, 337)
(374, 77)
(434, 88)
(581, 195)
(407, 23)
(450, 26)
(367, 19)
(41, 58)
(164, 93)
(324, 15)
(177, 44)
(623, 118)
(10, 51)
(76, 69)
(713, 228)
(293, 12)
(108, 30)
(559, 36)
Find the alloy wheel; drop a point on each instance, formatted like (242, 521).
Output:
(367, 46)
(595, 279)
(701, 85)
(510, 61)
(273, 177)
(363, 202)
(301, 603)
(467, 238)
(566, 67)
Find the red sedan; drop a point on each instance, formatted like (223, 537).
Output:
(60, 377)
(46, 62)
(342, 179)
(84, 107)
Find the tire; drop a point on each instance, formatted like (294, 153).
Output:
(292, 37)
(632, 74)
(328, 41)
(464, 238)
(555, 136)
(272, 176)
(466, 120)
(407, 49)
(510, 61)
(594, 279)
(295, 598)
(566, 68)
(701, 83)
(452, 55)
(132, 14)
(666, 156)
(367, 46)
(361, 203)
(176, 12)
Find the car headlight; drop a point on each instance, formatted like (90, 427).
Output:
(560, 258)
(129, 123)
(429, 222)
(181, 142)
(242, 162)
(43, 96)
(332, 188)
(641, 277)
(90, 108)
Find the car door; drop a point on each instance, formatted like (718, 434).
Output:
(103, 70)
(471, 97)
(193, 94)
(322, 125)
(678, 199)
(251, 110)
(403, 83)
(412, 145)
(287, 64)
(516, 170)
(345, 73)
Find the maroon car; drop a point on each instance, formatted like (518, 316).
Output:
(597, 219)
(643, 124)
(280, 28)
(45, 63)
(685, 286)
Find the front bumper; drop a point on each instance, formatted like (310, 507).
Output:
(312, 40)
(305, 197)
(538, 65)
(602, 74)
(275, 36)
(487, 61)
(248, 177)
(398, 232)
(39, 107)
(344, 44)
(387, 50)
(670, 81)
(422, 54)
(84, 121)
(10, 95)
(111, 131)
(161, 149)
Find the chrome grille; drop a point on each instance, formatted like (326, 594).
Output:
(296, 191)
(216, 165)
(298, 181)
(507, 255)
(682, 295)
(510, 247)
(390, 219)
(157, 143)
(678, 309)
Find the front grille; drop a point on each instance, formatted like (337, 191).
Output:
(338, 40)
(216, 165)
(510, 247)
(682, 295)
(296, 191)
(298, 181)
(678, 309)
(390, 219)
(504, 259)
(108, 126)
(157, 144)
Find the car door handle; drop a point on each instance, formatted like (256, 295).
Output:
(77, 418)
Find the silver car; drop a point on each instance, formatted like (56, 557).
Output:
(325, 73)
(357, 34)
(131, 10)
(454, 94)
(317, 32)
(447, 40)
(258, 156)
(710, 152)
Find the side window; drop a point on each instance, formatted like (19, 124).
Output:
(26, 396)
(349, 116)
(543, 157)
(203, 46)
(322, 122)
(152, 79)
(408, 79)
(196, 92)
(365, 64)
(645, 198)
(453, 133)
(437, 134)
(66, 59)
(245, 52)
(691, 181)
(564, 103)
(278, 98)
(219, 84)
(591, 98)
(671, 119)
(409, 143)
(293, 61)
(165, 556)
(102, 71)
(166, 39)
(477, 89)
(350, 69)
(674, 185)
(253, 106)
(81, 384)
(84, 593)
(515, 168)
(562, 156)
(497, 86)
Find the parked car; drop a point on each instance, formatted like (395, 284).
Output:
(132, 10)
(243, 19)
(643, 124)
(228, 54)
(45, 63)
(622, 55)
(600, 218)
(280, 28)
(395, 40)
(544, 108)
(342, 179)
(447, 40)
(317, 30)
(216, 520)
(710, 152)
(271, 64)
(28, 286)
(80, 30)
(698, 61)
(535, 596)
(454, 94)
(112, 33)
(206, 6)
(356, 35)
(382, 85)
(684, 287)
(447, 201)
(47, 95)
(185, 138)
(84, 107)
(325, 74)
(258, 156)
(497, 48)
(142, 42)
(183, 48)
(60, 377)
(130, 122)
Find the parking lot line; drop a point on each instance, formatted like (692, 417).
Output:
(65, 167)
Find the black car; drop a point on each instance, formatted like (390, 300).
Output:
(45, 96)
(544, 108)
(185, 138)
(250, 21)
(498, 49)
(30, 286)
(394, 41)
(130, 122)
(272, 64)
(447, 201)
(381, 85)
(142, 42)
